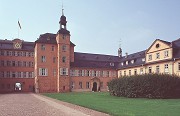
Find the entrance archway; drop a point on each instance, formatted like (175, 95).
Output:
(18, 87)
(94, 86)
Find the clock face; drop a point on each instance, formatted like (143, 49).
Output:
(17, 45)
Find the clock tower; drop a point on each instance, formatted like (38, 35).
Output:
(63, 55)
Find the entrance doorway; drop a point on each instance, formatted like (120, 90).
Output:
(94, 86)
(18, 87)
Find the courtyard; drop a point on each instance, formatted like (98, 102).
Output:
(37, 105)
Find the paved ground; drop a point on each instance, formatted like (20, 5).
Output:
(37, 105)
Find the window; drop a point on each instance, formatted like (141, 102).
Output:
(24, 64)
(141, 70)
(157, 55)
(150, 57)
(54, 72)
(43, 72)
(43, 58)
(88, 73)
(10, 53)
(32, 54)
(122, 63)
(43, 47)
(63, 71)
(2, 53)
(120, 73)
(2, 63)
(80, 72)
(2, 74)
(64, 48)
(101, 73)
(8, 63)
(72, 72)
(24, 74)
(179, 66)
(166, 54)
(13, 63)
(111, 64)
(124, 73)
(19, 63)
(126, 62)
(32, 64)
(24, 53)
(93, 73)
(8, 74)
(157, 69)
(108, 73)
(150, 69)
(64, 59)
(166, 70)
(87, 85)
(30, 74)
(72, 85)
(157, 45)
(13, 74)
(129, 72)
(27, 54)
(19, 74)
(135, 71)
(64, 37)
(54, 59)
(52, 48)
(132, 61)
(7, 53)
(80, 85)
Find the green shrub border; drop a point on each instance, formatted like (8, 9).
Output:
(146, 86)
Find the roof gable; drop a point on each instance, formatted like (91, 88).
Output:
(158, 45)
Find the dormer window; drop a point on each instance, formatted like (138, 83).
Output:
(126, 62)
(122, 63)
(143, 59)
(111, 64)
(132, 61)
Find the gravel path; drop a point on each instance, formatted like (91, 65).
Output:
(38, 105)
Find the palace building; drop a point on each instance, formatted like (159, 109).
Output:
(50, 64)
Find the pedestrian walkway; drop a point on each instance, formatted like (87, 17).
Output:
(38, 105)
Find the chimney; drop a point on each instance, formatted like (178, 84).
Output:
(126, 55)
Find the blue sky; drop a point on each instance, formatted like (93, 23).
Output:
(96, 26)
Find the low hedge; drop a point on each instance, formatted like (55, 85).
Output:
(146, 86)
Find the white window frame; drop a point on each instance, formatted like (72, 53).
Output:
(166, 53)
(158, 55)
(150, 57)
(63, 71)
(157, 69)
(166, 68)
(43, 72)
(43, 58)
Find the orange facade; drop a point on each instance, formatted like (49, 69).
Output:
(50, 65)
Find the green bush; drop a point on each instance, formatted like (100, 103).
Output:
(146, 86)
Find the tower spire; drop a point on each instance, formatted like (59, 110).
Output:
(62, 9)
(120, 50)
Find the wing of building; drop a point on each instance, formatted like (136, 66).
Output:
(50, 64)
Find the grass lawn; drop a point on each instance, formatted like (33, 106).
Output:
(120, 106)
